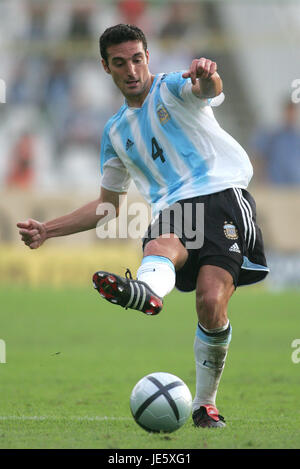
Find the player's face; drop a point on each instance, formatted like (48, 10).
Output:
(128, 66)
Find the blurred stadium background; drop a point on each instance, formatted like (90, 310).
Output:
(58, 99)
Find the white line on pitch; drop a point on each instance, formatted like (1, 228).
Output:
(86, 418)
(57, 417)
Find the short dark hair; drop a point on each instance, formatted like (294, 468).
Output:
(118, 34)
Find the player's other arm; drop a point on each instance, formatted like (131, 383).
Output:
(35, 233)
(206, 82)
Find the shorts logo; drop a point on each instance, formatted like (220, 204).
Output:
(230, 230)
(162, 113)
(235, 248)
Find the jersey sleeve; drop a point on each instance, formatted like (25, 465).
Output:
(176, 84)
(181, 88)
(115, 176)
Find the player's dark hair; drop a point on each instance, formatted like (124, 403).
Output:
(118, 34)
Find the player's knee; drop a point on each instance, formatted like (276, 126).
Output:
(209, 301)
(154, 248)
(167, 247)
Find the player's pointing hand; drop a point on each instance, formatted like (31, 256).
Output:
(32, 232)
(200, 68)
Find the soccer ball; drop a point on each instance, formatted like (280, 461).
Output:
(160, 402)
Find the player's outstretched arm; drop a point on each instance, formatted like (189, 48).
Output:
(206, 82)
(34, 233)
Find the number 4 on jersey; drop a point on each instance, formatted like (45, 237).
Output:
(157, 152)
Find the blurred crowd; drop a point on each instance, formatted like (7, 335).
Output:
(59, 99)
(276, 150)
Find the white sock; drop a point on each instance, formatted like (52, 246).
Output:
(210, 350)
(159, 273)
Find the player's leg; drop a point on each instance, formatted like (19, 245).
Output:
(155, 277)
(214, 289)
(162, 257)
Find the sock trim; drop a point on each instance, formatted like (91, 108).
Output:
(215, 331)
(158, 259)
(220, 338)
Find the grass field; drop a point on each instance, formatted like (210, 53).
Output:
(73, 359)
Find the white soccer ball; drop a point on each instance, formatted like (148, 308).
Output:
(161, 402)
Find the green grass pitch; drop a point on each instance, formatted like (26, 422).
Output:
(73, 359)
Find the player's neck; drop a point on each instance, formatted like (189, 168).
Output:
(138, 101)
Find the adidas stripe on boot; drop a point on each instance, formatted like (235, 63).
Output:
(127, 292)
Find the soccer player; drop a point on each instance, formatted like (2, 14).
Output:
(165, 137)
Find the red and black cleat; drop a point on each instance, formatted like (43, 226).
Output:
(208, 417)
(127, 292)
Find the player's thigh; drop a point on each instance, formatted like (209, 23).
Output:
(167, 245)
(214, 289)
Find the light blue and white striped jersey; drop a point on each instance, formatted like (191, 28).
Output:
(172, 147)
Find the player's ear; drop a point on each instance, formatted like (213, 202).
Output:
(147, 56)
(105, 66)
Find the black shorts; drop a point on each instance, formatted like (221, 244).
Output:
(217, 229)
